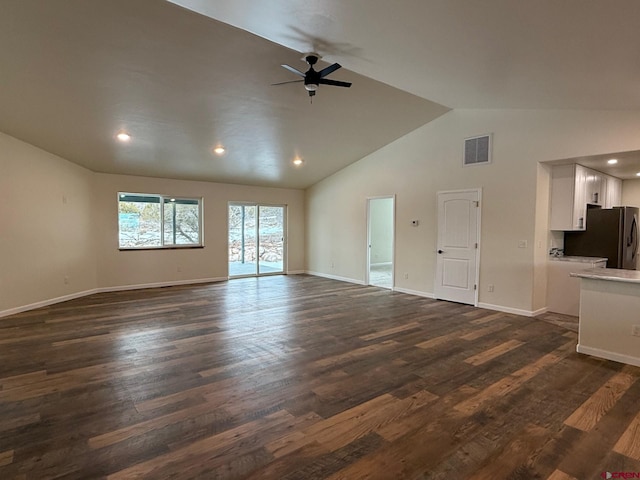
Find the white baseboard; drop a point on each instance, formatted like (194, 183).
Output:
(335, 277)
(488, 306)
(616, 357)
(515, 311)
(175, 283)
(417, 293)
(72, 296)
(382, 264)
(46, 303)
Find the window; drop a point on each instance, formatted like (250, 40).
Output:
(157, 221)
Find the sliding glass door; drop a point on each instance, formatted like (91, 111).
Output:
(256, 239)
(242, 240)
(270, 239)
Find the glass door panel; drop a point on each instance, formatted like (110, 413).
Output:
(256, 239)
(271, 239)
(242, 240)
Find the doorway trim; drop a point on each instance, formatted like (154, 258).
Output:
(393, 239)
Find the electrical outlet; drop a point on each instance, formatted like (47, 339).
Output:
(179, 269)
(635, 330)
(490, 288)
(522, 244)
(406, 276)
(66, 280)
(332, 265)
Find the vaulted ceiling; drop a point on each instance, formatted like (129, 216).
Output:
(183, 76)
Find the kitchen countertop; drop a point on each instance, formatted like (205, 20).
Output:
(569, 258)
(612, 274)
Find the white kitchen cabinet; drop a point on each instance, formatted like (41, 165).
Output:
(613, 192)
(568, 197)
(573, 187)
(594, 187)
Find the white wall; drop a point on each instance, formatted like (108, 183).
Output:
(631, 192)
(59, 221)
(125, 268)
(46, 213)
(543, 237)
(428, 160)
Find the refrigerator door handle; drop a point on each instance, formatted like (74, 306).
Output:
(634, 237)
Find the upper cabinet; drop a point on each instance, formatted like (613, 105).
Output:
(568, 197)
(613, 192)
(573, 187)
(594, 187)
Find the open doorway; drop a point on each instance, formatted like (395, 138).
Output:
(381, 239)
(256, 239)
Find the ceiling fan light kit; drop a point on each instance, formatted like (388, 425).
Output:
(313, 79)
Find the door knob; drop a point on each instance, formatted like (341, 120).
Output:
(440, 251)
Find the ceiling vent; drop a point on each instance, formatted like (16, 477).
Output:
(477, 150)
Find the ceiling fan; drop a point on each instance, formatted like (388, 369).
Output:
(313, 79)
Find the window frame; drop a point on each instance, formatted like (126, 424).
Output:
(161, 201)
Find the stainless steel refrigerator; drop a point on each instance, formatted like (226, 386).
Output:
(610, 233)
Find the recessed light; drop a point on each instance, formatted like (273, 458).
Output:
(123, 136)
(612, 161)
(638, 174)
(219, 150)
(298, 161)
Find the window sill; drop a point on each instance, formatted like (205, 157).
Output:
(172, 247)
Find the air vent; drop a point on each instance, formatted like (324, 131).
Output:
(477, 150)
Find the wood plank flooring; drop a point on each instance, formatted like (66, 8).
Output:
(299, 377)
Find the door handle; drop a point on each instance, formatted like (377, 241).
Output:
(440, 251)
(634, 237)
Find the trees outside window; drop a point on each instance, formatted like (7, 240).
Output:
(157, 221)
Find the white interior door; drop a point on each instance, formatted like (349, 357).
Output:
(457, 248)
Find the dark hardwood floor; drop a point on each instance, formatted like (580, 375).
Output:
(299, 377)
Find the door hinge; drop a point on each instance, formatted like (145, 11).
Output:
(476, 203)
(475, 287)
(476, 245)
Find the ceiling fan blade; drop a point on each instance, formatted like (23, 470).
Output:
(336, 83)
(331, 68)
(293, 70)
(290, 81)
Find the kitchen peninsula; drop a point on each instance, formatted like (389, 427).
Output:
(609, 325)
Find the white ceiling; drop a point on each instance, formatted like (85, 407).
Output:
(465, 53)
(74, 72)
